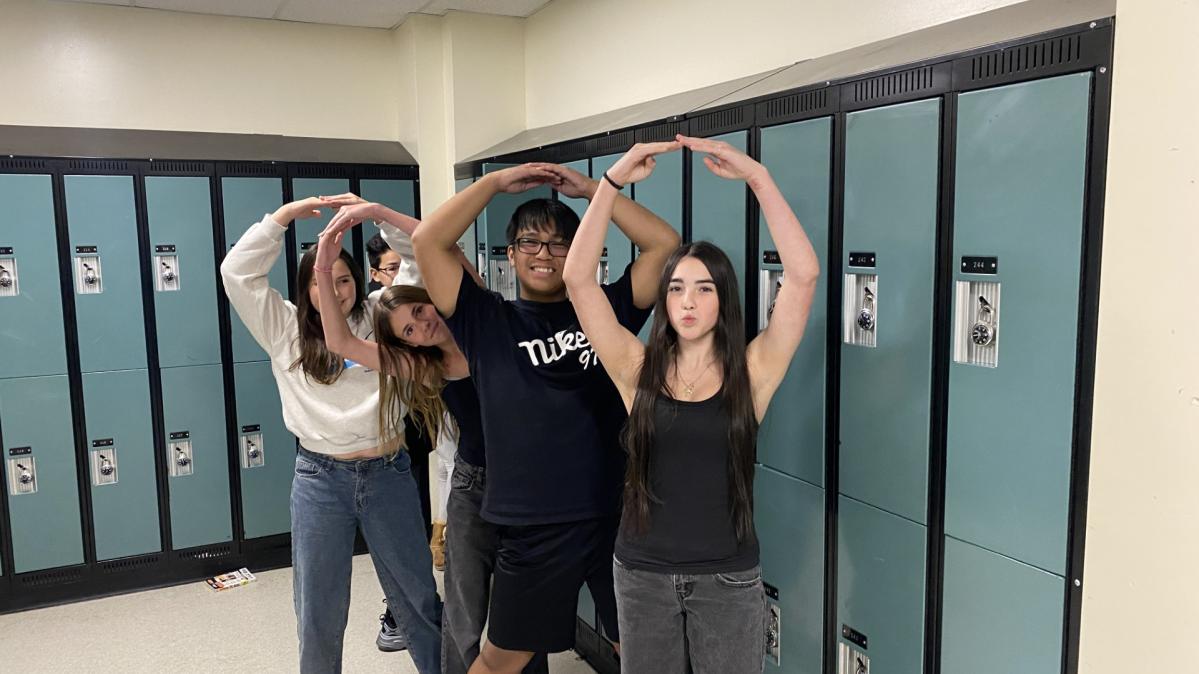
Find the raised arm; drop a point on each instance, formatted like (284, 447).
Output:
(338, 337)
(619, 350)
(770, 353)
(654, 237)
(436, 239)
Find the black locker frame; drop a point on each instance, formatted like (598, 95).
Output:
(1071, 49)
(169, 566)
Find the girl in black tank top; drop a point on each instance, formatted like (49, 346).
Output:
(688, 586)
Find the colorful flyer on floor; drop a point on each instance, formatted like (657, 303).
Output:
(232, 579)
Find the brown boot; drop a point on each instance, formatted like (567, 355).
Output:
(437, 545)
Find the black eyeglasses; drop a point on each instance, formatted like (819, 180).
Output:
(390, 269)
(533, 246)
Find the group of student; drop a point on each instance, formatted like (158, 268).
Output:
(582, 454)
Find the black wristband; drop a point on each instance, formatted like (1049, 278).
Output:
(612, 182)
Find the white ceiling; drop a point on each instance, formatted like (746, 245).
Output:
(364, 13)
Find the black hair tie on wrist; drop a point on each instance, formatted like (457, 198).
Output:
(612, 182)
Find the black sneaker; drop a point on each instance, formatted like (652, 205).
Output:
(390, 638)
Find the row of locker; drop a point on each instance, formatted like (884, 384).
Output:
(94, 279)
(1018, 167)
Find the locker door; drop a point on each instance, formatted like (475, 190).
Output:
(179, 210)
(620, 249)
(245, 201)
(891, 186)
(265, 476)
(120, 449)
(197, 455)
(31, 334)
(718, 209)
(469, 242)
(789, 516)
(106, 272)
(791, 438)
(662, 193)
(35, 420)
(307, 230)
(398, 195)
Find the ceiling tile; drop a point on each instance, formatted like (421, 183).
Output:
(366, 13)
(501, 7)
(258, 9)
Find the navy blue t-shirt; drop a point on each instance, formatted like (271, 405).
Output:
(551, 415)
(462, 402)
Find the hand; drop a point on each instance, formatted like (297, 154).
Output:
(328, 248)
(725, 160)
(347, 199)
(638, 163)
(571, 183)
(523, 178)
(348, 216)
(298, 210)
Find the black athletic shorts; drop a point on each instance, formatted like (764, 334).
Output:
(539, 571)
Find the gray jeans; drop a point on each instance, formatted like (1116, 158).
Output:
(470, 545)
(701, 623)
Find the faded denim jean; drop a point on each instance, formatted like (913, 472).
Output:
(330, 499)
(701, 623)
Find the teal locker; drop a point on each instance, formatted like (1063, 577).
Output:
(106, 269)
(179, 211)
(469, 242)
(662, 193)
(586, 608)
(45, 524)
(1000, 615)
(880, 587)
(31, 334)
(891, 187)
(718, 209)
(620, 249)
(244, 202)
(266, 479)
(308, 229)
(493, 225)
(120, 438)
(1021, 174)
(791, 438)
(398, 195)
(789, 515)
(197, 453)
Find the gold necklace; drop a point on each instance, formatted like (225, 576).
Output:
(689, 388)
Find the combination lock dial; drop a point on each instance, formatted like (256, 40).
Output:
(866, 312)
(983, 332)
(5, 278)
(181, 458)
(25, 477)
(89, 275)
(168, 274)
(254, 452)
(106, 467)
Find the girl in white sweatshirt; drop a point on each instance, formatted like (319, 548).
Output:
(348, 475)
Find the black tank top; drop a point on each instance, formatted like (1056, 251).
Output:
(690, 528)
(462, 401)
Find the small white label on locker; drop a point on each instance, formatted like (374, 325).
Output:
(180, 459)
(22, 475)
(10, 285)
(769, 285)
(166, 273)
(976, 323)
(852, 661)
(88, 278)
(859, 320)
(253, 453)
(104, 466)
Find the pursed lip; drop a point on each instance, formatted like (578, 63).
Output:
(688, 319)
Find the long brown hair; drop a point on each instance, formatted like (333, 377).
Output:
(316, 360)
(737, 399)
(421, 391)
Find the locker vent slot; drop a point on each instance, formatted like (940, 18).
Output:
(23, 164)
(56, 577)
(178, 166)
(795, 104)
(251, 169)
(574, 149)
(97, 165)
(661, 132)
(129, 564)
(1029, 57)
(893, 84)
(385, 172)
(210, 552)
(315, 170)
(716, 122)
(612, 143)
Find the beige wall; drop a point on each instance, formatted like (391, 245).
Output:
(68, 64)
(1141, 598)
(588, 56)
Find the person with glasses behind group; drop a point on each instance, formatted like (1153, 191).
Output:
(550, 415)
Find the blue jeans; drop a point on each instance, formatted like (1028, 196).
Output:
(330, 499)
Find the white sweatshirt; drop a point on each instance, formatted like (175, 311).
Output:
(337, 418)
